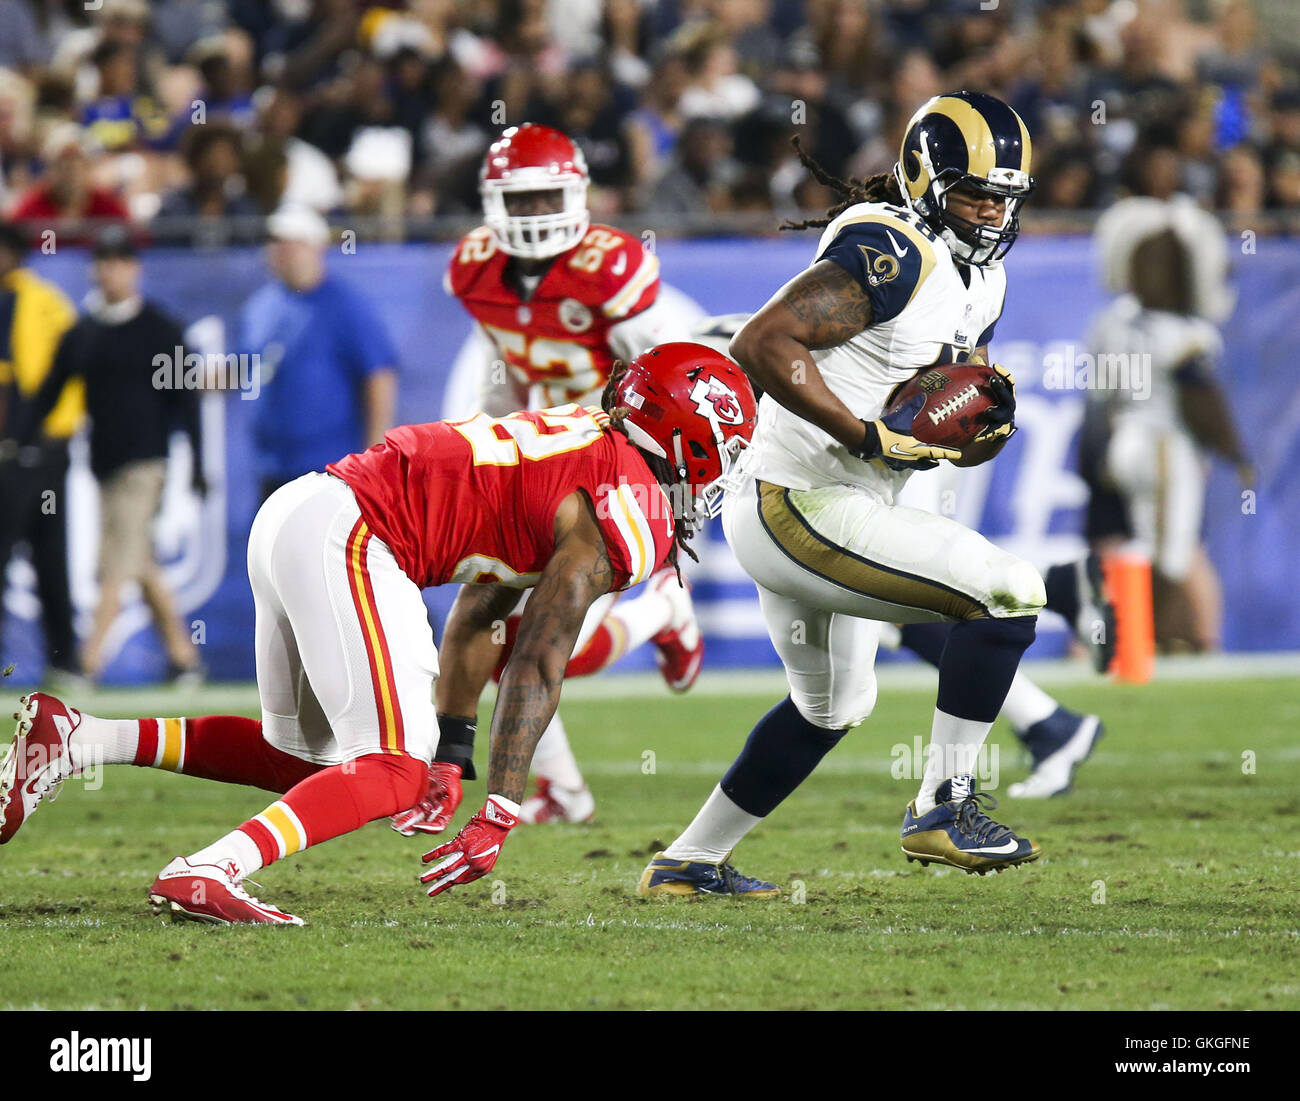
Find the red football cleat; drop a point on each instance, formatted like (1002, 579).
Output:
(37, 761)
(557, 804)
(207, 892)
(679, 647)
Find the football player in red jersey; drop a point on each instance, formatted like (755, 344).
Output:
(572, 502)
(560, 300)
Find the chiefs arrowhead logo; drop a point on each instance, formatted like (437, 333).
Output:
(717, 402)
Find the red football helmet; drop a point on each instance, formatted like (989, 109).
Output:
(535, 158)
(694, 407)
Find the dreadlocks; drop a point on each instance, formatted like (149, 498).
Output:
(661, 468)
(880, 188)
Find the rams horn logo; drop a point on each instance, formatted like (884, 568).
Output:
(881, 267)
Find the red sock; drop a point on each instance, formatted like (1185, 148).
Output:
(228, 748)
(336, 800)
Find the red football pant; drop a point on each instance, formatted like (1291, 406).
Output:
(320, 801)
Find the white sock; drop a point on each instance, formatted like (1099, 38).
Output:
(717, 829)
(642, 617)
(1026, 704)
(235, 848)
(553, 759)
(953, 751)
(99, 741)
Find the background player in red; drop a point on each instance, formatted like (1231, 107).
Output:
(573, 502)
(560, 300)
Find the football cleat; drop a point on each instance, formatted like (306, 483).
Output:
(1059, 745)
(958, 832)
(553, 803)
(1094, 626)
(211, 893)
(666, 876)
(38, 759)
(679, 647)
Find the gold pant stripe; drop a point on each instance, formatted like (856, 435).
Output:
(280, 822)
(172, 744)
(796, 538)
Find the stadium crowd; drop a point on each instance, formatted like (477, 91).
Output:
(212, 110)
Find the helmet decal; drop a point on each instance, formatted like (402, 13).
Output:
(716, 402)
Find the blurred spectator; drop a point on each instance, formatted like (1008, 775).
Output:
(1282, 155)
(309, 176)
(17, 103)
(715, 89)
(746, 25)
(591, 118)
(34, 315)
(1067, 180)
(453, 142)
(114, 349)
(700, 173)
(22, 45)
(120, 117)
(217, 188)
(66, 191)
(226, 92)
(328, 369)
(1243, 187)
(179, 24)
(653, 127)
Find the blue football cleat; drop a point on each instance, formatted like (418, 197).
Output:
(666, 876)
(1059, 745)
(958, 833)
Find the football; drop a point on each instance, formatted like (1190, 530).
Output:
(956, 394)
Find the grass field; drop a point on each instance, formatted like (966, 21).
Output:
(1168, 880)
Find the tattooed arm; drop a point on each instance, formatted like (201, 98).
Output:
(819, 308)
(578, 572)
(471, 646)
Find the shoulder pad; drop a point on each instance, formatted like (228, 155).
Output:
(472, 252)
(889, 251)
(622, 273)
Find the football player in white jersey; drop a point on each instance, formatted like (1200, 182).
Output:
(1057, 739)
(907, 273)
(1165, 414)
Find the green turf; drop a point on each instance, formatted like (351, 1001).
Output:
(1199, 863)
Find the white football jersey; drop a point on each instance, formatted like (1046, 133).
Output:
(1138, 354)
(923, 313)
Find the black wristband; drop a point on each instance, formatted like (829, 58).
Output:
(456, 743)
(870, 446)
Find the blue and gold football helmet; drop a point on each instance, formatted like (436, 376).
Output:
(975, 140)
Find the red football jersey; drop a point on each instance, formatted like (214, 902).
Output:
(475, 500)
(559, 337)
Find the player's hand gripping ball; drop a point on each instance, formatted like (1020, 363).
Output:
(960, 404)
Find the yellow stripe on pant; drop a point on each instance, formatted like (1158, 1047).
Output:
(277, 819)
(173, 750)
(796, 538)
